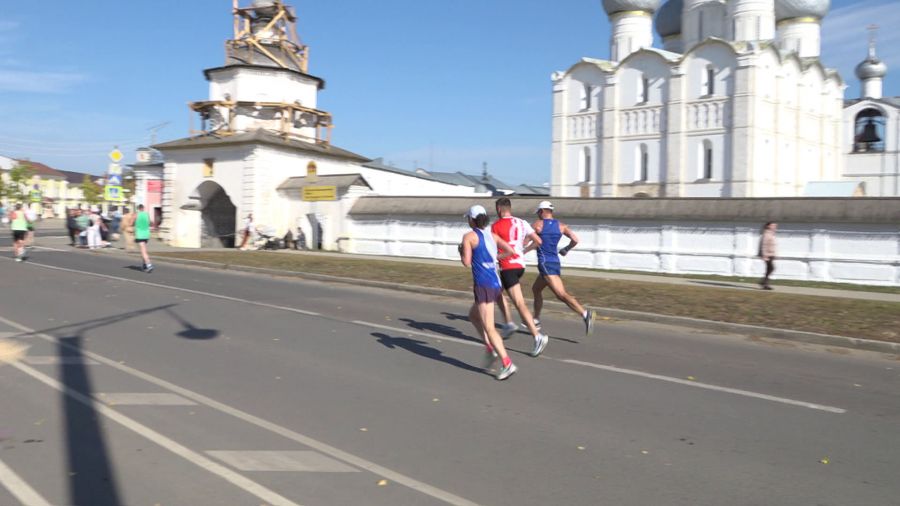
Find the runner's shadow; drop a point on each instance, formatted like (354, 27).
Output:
(437, 328)
(420, 348)
(453, 316)
(724, 285)
(134, 268)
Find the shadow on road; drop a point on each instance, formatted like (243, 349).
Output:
(91, 472)
(438, 328)
(723, 285)
(453, 316)
(420, 348)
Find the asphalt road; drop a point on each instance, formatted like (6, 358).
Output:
(193, 386)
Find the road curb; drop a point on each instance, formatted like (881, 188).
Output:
(733, 328)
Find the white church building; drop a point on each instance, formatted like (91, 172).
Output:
(737, 103)
(263, 140)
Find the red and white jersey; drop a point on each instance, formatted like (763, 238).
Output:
(514, 231)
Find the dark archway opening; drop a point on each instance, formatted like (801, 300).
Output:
(869, 132)
(218, 216)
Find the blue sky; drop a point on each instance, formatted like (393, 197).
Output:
(439, 84)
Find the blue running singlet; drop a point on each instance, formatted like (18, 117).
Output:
(548, 256)
(484, 261)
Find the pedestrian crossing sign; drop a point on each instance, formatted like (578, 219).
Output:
(114, 180)
(112, 193)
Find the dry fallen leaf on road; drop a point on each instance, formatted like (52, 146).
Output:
(382, 483)
(363, 429)
(435, 399)
(825, 460)
(10, 351)
(581, 448)
(691, 378)
(645, 452)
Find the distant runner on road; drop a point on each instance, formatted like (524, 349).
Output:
(19, 224)
(478, 250)
(516, 231)
(551, 231)
(140, 221)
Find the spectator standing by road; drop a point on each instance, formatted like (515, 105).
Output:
(72, 226)
(83, 219)
(128, 229)
(247, 230)
(94, 237)
(767, 252)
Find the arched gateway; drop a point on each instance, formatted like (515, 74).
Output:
(218, 215)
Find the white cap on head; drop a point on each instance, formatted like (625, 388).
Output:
(545, 204)
(474, 211)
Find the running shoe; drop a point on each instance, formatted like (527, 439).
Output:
(507, 371)
(540, 342)
(537, 323)
(589, 321)
(149, 268)
(18, 259)
(507, 329)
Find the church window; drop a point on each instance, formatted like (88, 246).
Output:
(707, 159)
(645, 89)
(868, 133)
(709, 81)
(644, 160)
(586, 91)
(586, 165)
(700, 26)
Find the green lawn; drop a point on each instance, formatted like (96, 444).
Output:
(847, 317)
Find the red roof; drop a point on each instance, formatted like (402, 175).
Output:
(42, 170)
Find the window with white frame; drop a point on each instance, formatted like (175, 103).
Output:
(586, 165)
(706, 159)
(643, 163)
(586, 91)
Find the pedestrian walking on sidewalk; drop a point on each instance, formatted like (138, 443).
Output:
(478, 251)
(247, 231)
(767, 252)
(516, 232)
(551, 231)
(72, 226)
(18, 221)
(141, 224)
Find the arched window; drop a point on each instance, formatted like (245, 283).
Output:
(706, 160)
(586, 165)
(586, 91)
(643, 163)
(869, 131)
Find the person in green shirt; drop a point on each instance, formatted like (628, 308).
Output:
(141, 224)
(19, 223)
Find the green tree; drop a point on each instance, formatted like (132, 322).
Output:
(18, 189)
(92, 192)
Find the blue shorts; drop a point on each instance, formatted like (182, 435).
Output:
(550, 268)
(484, 294)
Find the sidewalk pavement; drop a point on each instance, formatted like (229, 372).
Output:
(725, 283)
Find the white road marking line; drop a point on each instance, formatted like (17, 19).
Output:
(745, 393)
(325, 448)
(19, 489)
(203, 462)
(57, 360)
(707, 386)
(143, 399)
(179, 289)
(288, 461)
(631, 372)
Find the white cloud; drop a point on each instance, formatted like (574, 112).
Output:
(845, 39)
(26, 81)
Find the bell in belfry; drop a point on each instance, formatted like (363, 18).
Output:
(869, 134)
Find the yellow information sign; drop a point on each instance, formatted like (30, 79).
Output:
(319, 193)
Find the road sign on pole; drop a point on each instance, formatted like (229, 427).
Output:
(319, 193)
(115, 155)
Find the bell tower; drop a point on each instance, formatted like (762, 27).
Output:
(264, 83)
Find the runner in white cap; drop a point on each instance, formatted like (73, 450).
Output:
(478, 251)
(551, 231)
(516, 231)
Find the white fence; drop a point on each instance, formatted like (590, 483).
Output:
(859, 241)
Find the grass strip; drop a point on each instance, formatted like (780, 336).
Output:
(865, 319)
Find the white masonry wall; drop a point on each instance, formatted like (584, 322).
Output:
(835, 252)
